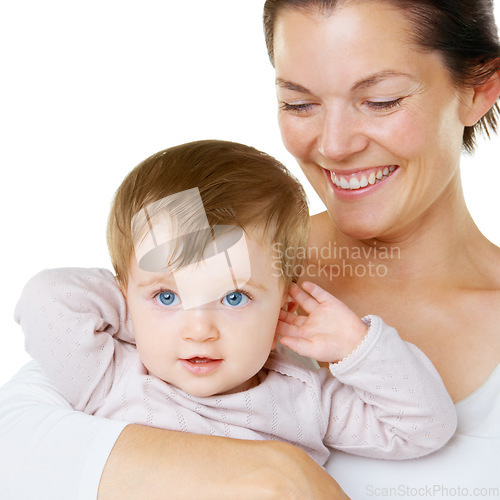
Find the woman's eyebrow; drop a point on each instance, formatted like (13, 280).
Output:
(291, 86)
(364, 83)
(375, 78)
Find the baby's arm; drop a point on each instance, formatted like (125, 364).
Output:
(70, 318)
(386, 399)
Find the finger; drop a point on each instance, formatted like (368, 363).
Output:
(300, 321)
(291, 318)
(287, 317)
(298, 345)
(318, 293)
(287, 330)
(305, 301)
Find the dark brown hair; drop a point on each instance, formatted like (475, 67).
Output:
(239, 186)
(463, 31)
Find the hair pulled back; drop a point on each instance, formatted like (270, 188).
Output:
(463, 31)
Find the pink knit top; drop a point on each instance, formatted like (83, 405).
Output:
(385, 400)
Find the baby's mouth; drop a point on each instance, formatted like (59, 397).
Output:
(197, 360)
(201, 365)
(362, 179)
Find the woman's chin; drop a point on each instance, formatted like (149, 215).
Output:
(358, 227)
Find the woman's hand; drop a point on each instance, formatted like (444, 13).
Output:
(330, 331)
(156, 464)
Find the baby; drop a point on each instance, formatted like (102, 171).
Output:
(190, 333)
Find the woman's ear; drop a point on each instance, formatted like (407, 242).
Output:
(480, 99)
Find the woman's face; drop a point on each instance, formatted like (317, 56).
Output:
(375, 124)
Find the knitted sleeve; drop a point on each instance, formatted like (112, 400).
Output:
(386, 400)
(71, 318)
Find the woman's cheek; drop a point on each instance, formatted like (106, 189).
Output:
(296, 136)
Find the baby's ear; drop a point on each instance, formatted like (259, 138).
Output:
(288, 304)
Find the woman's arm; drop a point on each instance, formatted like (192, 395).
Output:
(48, 450)
(45, 446)
(156, 464)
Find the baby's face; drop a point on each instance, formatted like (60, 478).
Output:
(195, 330)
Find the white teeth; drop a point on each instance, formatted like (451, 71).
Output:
(355, 183)
(199, 360)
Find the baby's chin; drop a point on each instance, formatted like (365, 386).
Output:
(203, 390)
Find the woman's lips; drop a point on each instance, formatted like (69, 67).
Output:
(363, 178)
(199, 365)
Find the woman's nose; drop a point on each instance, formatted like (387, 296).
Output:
(200, 325)
(339, 136)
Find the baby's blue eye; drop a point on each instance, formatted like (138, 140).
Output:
(235, 299)
(167, 299)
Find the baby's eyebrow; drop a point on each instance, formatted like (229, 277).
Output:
(254, 284)
(164, 279)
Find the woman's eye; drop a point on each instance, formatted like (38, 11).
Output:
(167, 298)
(384, 105)
(296, 108)
(235, 299)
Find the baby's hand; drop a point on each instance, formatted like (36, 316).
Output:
(330, 332)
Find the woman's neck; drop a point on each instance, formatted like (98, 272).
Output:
(442, 246)
(437, 281)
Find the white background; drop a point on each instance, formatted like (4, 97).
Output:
(89, 89)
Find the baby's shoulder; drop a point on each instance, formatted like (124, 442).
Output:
(287, 363)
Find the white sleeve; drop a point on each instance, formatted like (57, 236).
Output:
(47, 449)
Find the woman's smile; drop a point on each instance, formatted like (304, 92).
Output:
(384, 132)
(362, 178)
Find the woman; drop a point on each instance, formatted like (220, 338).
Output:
(362, 95)
(357, 108)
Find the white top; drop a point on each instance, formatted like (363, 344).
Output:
(467, 467)
(48, 450)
